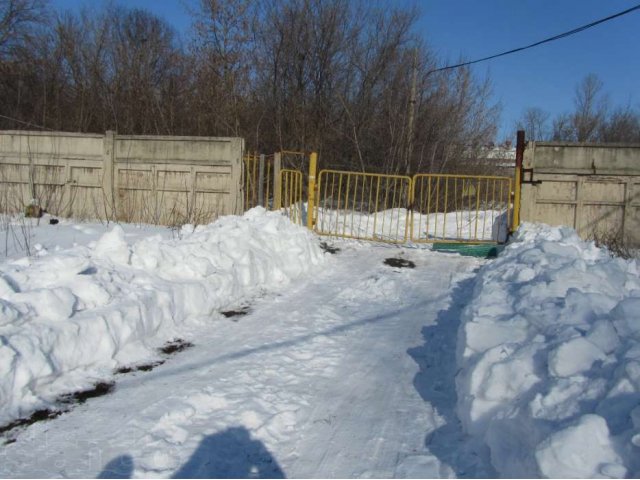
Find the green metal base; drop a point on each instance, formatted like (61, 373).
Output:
(480, 250)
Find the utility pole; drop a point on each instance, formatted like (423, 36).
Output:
(412, 111)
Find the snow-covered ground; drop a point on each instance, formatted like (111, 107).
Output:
(344, 366)
(398, 223)
(326, 376)
(69, 317)
(22, 237)
(549, 352)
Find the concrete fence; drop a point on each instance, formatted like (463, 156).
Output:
(148, 179)
(592, 188)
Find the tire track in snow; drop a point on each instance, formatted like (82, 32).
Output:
(378, 414)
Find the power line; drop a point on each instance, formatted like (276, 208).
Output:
(546, 40)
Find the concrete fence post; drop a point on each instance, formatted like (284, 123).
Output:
(277, 187)
(261, 201)
(237, 204)
(108, 172)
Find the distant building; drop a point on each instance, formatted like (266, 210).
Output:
(503, 156)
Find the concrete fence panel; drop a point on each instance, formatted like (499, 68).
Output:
(148, 179)
(58, 172)
(592, 188)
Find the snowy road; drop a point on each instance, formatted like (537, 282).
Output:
(347, 374)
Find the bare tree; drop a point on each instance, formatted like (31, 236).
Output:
(623, 125)
(142, 61)
(563, 128)
(17, 19)
(593, 120)
(21, 25)
(534, 121)
(348, 78)
(220, 48)
(590, 109)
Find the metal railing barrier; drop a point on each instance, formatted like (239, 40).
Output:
(365, 206)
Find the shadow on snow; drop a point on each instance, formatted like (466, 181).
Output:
(284, 344)
(228, 454)
(435, 382)
(119, 467)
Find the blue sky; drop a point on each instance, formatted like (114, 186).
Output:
(544, 77)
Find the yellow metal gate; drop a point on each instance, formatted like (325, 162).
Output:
(289, 198)
(258, 187)
(425, 208)
(365, 206)
(460, 208)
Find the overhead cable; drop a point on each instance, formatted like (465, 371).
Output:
(546, 40)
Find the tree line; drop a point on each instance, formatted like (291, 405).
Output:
(350, 79)
(594, 119)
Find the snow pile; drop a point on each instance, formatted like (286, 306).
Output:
(23, 237)
(393, 224)
(70, 317)
(549, 357)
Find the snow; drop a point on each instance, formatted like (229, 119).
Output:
(523, 366)
(22, 237)
(332, 375)
(549, 358)
(393, 224)
(557, 455)
(73, 316)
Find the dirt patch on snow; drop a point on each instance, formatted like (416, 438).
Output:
(329, 248)
(399, 263)
(175, 346)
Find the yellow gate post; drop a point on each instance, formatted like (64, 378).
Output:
(311, 192)
(516, 195)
